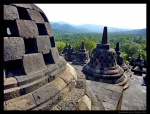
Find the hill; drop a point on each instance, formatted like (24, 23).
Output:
(66, 28)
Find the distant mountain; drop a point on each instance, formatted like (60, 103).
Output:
(99, 28)
(64, 28)
(135, 31)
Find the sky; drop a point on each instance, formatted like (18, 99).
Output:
(128, 16)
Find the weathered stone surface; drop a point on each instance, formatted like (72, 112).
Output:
(24, 102)
(115, 88)
(59, 84)
(43, 44)
(33, 63)
(36, 16)
(22, 80)
(48, 105)
(85, 103)
(27, 28)
(50, 69)
(10, 83)
(55, 54)
(11, 93)
(81, 84)
(45, 93)
(67, 77)
(49, 29)
(34, 85)
(10, 13)
(14, 48)
(116, 96)
(23, 5)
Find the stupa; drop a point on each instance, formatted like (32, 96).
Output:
(120, 60)
(103, 65)
(82, 56)
(35, 76)
(69, 53)
(139, 62)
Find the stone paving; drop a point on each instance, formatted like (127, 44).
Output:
(134, 98)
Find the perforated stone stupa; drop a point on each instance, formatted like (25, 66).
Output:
(120, 60)
(35, 76)
(103, 65)
(69, 53)
(82, 56)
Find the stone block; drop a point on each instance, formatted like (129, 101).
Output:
(48, 29)
(14, 48)
(43, 44)
(55, 73)
(11, 93)
(24, 102)
(81, 84)
(45, 93)
(50, 69)
(22, 80)
(67, 77)
(33, 63)
(36, 16)
(116, 96)
(27, 28)
(10, 83)
(59, 84)
(85, 103)
(23, 5)
(55, 54)
(48, 105)
(115, 88)
(10, 13)
(34, 85)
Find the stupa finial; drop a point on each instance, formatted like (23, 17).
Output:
(104, 37)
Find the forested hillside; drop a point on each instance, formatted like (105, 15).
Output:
(130, 45)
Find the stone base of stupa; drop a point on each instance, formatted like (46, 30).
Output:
(113, 75)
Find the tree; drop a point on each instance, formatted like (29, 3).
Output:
(60, 46)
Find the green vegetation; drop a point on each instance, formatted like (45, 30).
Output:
(131, 45)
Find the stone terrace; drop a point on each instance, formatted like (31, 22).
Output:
(134, 98)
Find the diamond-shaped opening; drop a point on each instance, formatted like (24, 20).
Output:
(23, 14)
(102, 57)
(14, 68)
(10, 28)
(42, 29)
(30, 45)
(102, 65)
(44, 17)
(107, 65)
(48, 58)
(52, 41)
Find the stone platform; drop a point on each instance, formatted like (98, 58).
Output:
(134, 98)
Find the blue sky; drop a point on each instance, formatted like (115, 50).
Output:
(129, 16)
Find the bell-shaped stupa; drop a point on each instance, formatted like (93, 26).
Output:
(35, 76)
(82, 56)
(120, 60)
(103, 65)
